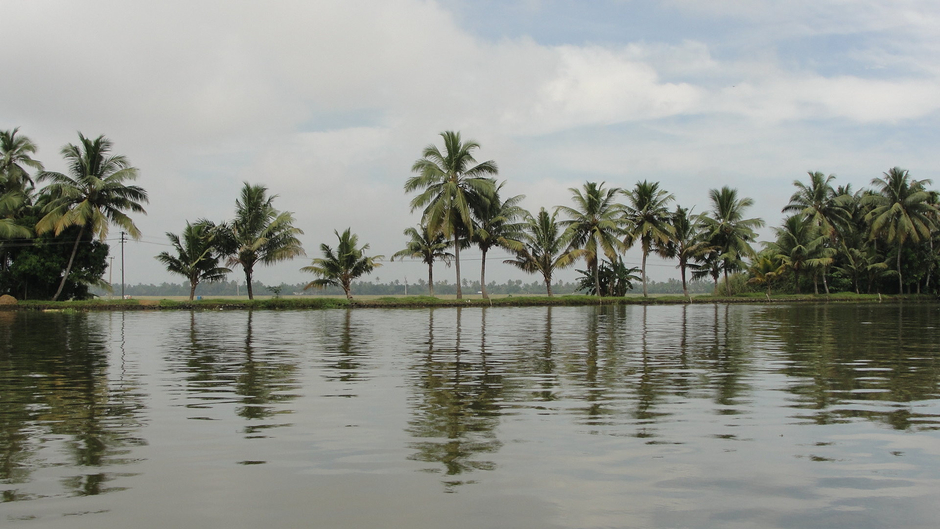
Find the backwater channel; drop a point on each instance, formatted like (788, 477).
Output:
(803, 415)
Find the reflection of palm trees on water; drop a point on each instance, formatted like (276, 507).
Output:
(456, 408)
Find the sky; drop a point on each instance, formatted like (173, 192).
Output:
(329, 103)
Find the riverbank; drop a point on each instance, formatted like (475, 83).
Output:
(318, 302)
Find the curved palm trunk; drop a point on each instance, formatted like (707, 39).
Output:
(900, 279)
(548, 285)
(457, 265)
(483, 276)
(68, 267)
(431, 278)
(192, 290)
(685, 284)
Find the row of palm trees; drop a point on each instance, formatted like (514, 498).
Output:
(831, 233)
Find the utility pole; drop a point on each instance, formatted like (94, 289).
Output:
(111, 273)
(122, 263)
(406, 285)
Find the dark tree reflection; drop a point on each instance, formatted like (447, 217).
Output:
(456, 404)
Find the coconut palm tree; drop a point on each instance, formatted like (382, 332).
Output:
(495, 226)
(428, 247)
(801, 246)
(339, 268)
(197, 256)
(728, 230)
(450, 181)
(647, 220)
(596, 224)
(902, 211)
(686, 243)
(15, 155)
(259, 234)
(819, 202)
(765, 270)
(545, 247)
(92, 196)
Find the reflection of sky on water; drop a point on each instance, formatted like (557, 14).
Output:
(659, 416)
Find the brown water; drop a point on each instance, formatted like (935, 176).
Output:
(661, 416)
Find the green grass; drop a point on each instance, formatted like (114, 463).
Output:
(330, 302)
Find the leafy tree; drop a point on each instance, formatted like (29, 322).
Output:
(686, 244)
(450, 181)
(800, 246)
(615, 279)
(595, 223)
(819, 202)
(902, 211)
(728, 230)
(339, 268)
(859, 263)
(544, 247)
(259, 234)
(647, 220)
(428, 247)
(495, 226)
(766, 270)
(15, 155)
(92, 196)
(197, 256)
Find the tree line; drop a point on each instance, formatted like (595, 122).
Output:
(875, 239)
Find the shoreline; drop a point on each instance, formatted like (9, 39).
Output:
(314, 303)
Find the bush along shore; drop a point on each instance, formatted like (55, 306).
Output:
(305, 303)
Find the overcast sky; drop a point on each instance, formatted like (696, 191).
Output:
(329, 103)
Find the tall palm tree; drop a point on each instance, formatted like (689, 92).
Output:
(428, 247)
(819, 202)
(339, 268)
(647, 220)
(545, 247)
(596, 224)
(728, 230)
(450, 180)
(260, 233)
(92, 196)
(197, 256)
(686, 244)
(902, 211)
(495, 226)
(15, 155)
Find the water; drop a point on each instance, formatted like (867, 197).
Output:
(661, 416)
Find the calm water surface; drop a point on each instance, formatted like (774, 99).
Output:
(581, 417)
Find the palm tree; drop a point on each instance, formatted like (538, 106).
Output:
(800, 246)
(450, 180)
(819, 202)
(92, 196)
(260, 233)
(15, 153)
(765, 270)
(686, 244)
(902, 211)
(341, 267)
(647, 220)
(197, 256)
(428, 247)
(495, 226)
(728, 230)
(596, 224)
(544, 247)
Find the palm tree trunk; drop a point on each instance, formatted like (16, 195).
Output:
(644, 272)
(900, 279)
(248, 280)
(457, 265)
(483, 276)
(68, 268)
(548, 286)
(685, 285)
(431, 278)
(597, 275)
(192, 290)
(825, 282)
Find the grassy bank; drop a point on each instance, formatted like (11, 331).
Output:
(320, 302)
